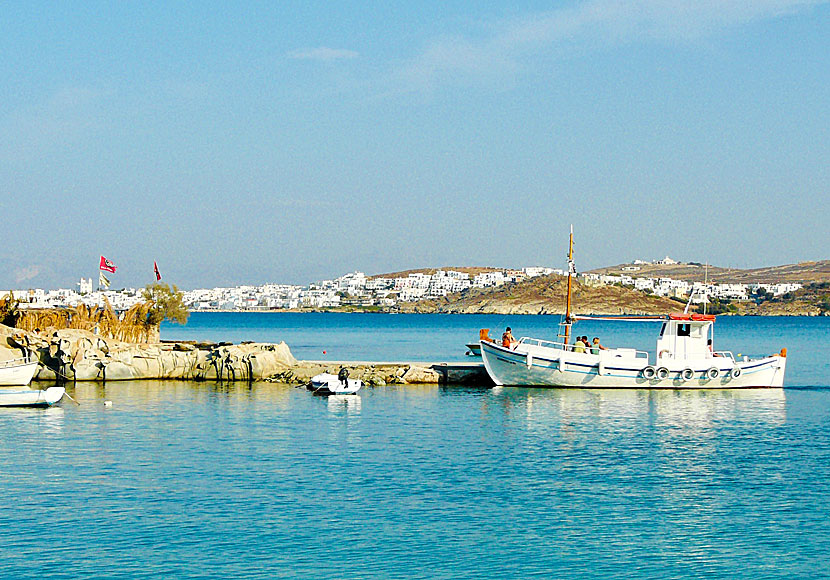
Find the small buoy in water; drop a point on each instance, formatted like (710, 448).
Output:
(324, 352)
(108, 403)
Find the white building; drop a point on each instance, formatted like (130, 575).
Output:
(411, 293)
(488, 279)
(534, 271)
(731, 291)
(376, 284)
(644, 284)
(775, 289)
(352, 283)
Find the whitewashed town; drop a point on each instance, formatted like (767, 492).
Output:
(358, 290)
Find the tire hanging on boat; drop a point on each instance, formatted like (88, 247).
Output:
(687, 374)
(736, 372)
(649, 372)
(662, 373)
(712, 373)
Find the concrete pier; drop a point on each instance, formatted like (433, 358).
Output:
(393, 372)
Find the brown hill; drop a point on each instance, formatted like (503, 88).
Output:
(804, 272)
(545, 295)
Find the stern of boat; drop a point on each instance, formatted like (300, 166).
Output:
(53, 395)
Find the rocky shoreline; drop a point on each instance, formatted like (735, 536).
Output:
(80, 355)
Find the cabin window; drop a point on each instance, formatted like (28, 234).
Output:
(684, 329)
(663, 329)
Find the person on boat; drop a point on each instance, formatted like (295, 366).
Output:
(507, 340)
(596, 346)
(580, 344)
(343, 375)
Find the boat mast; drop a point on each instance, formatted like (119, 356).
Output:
(706, 286)
(571, 273)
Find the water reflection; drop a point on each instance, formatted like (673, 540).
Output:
(153, 393)
(344, 404)
(540, 408)
(49, 420)
(52, 420)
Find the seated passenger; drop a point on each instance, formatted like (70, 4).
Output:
(596, 346)
(507, 340)
(579, 345)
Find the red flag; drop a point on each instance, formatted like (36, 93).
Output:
(106, 265)
(156, 270)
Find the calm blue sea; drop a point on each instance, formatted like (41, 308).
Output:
(441, 337)
(208, 480)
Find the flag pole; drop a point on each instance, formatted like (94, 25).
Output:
(571, 272)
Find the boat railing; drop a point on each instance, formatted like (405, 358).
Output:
(15, 362)
(725, 354)
(630, 352)
(544, 343)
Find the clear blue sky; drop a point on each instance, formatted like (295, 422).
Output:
(295, 141)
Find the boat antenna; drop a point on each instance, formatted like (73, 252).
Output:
(571, 274)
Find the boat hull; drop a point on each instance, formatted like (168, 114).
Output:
(12, 375)
(473, 349)
(558, 368)
(328, 384)
(31, 397)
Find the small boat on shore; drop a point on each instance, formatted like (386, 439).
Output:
(329, 384)
(31, 397)
(18, 371)
(474, 348)
(685, 358)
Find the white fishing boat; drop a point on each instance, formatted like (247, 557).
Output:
(18, 371)
(329, 384)
(31, 397)
(684, 358)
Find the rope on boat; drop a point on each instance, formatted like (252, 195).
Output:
(64, 377)
(68, 396)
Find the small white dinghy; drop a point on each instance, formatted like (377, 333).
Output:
(31, 397)
(329, 384)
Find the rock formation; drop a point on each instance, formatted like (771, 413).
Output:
(76, 354)
(80, 355)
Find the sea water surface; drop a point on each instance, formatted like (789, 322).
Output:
(208, 480)
(441, 337)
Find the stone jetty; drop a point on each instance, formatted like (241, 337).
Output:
(80, 355)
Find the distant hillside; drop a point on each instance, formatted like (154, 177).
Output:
(813, 300)
(545, 295)
(804, 272)
(471, 270)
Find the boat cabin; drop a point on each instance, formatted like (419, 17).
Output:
(686, 336)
